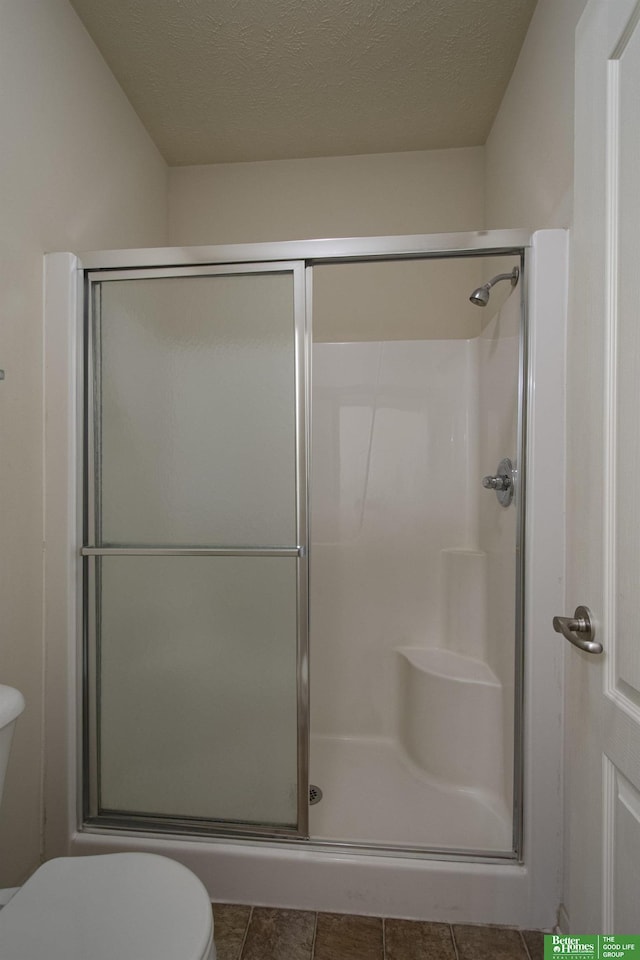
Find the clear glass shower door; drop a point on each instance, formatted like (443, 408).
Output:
(195, 547)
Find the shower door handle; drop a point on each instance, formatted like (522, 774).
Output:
(579, 630)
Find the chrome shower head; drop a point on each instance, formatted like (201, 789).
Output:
(481, 296)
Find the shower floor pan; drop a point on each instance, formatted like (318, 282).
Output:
(374, 794)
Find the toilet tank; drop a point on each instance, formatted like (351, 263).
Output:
(11, 706)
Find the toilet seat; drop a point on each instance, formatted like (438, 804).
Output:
(134, 906)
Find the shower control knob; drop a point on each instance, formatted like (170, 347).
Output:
(502, 482)
(496, 483)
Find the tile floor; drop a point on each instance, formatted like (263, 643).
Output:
(261, 933)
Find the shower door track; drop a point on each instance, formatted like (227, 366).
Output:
(482, 243)
(159, 828)
(307, 253)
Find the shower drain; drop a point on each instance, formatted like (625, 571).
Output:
(315, 794)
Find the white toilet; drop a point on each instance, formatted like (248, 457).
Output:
(120, 906)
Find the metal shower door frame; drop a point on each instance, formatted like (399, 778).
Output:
(92, 551)
(307, 253)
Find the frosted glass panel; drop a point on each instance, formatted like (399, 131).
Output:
(196, 418)
(197, 687)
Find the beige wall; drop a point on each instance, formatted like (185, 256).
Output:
(77, 171)
(529, 152)
(396, 300)
(435, 191)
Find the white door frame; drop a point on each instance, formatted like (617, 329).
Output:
(602, 822)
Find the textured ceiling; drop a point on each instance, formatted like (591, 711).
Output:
(229, 80)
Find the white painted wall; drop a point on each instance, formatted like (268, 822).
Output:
(77, 171)
(529, 152)
(435, 191)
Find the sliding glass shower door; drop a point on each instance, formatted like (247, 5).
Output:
(195, 547)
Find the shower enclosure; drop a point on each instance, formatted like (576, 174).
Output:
(295, 602)
(415, 599)
(201, 631)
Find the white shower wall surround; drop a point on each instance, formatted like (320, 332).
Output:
(389, 493)
(312, 876)
(412, 638)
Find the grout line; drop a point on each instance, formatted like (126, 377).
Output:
(453, 941)
(527, 952)
(246, 932)
(526, 948)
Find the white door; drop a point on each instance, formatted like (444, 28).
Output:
(602, 852)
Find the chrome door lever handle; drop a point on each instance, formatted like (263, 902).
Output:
(579, 630)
